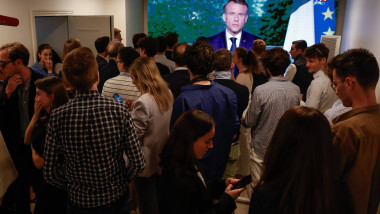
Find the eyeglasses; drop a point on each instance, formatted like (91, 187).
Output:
(333, 85)
(3, 64)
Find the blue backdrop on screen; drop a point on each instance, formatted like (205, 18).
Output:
(194, 18)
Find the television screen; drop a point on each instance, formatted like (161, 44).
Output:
(192, 19)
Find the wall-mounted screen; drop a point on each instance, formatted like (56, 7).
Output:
(195, 18)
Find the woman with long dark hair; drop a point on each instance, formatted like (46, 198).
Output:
(297, 175)
(183, 188)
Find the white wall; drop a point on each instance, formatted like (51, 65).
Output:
(135, 18)
(21, 9)
(362, 29)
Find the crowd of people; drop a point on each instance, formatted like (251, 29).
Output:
(168, 127)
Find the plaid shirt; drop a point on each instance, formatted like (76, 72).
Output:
(85, 142)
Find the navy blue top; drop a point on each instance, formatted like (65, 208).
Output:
(37, 68)
(220, 103)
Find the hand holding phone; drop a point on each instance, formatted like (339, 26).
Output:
(118, 98)
(242, 183)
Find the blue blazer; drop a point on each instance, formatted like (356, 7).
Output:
(218, 41)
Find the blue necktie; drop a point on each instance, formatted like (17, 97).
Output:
(233, 46)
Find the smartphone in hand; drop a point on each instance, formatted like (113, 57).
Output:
(118, 98)
(242, 183)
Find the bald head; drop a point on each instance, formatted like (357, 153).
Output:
(113, 48)
(179, 54)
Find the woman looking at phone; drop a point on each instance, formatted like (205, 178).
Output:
(183, 188)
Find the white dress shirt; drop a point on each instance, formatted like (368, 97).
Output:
(292, 70)
(320, 95)
(229, 42)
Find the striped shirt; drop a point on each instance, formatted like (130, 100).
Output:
(269, 102)
(85, 142)
(122, 85)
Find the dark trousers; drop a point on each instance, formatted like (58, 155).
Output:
(50, 199)
(147, 194)
(17, 198)
(121, 206)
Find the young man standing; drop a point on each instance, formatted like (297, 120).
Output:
(319, 94)
(356, 134)
(101, 47)
(216, 100)
(85, 142)
(269, 102)
(297, 72)
(16, 110)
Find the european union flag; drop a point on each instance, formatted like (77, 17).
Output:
(324, 18)
(310, 19)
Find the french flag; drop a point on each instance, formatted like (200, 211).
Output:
(309, 20)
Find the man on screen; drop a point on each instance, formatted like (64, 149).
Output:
(235, 16)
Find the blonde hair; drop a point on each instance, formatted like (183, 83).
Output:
(147, 74)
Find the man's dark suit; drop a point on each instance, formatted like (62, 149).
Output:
(162, 69)
(101, 61)
(11, 131)
(107, 72)
(169, 54)
(302, 78)
(176, 80)
(218, 41)
(242, 93)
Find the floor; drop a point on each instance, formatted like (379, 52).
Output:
(241, 204)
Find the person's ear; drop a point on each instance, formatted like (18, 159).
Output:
(97, 78)
(246, 18)
(351, 82)
(18, 62)
(224, 17)
(324, 60)
(232, 66)
(51, 97)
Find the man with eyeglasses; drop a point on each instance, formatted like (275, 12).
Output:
(235, 16)
(356, 134)
(16, 110)
(319, 95)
